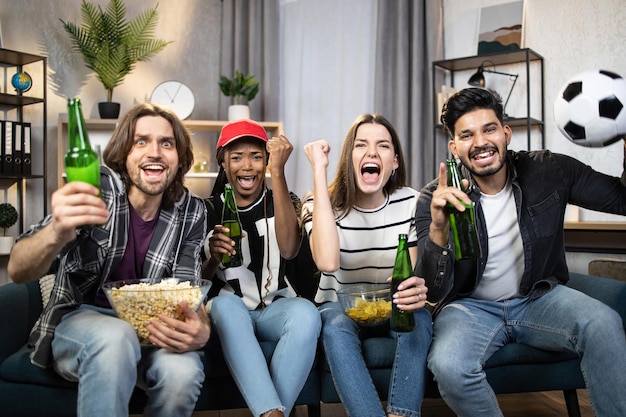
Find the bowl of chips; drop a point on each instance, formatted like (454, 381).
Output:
(366, 304)
(139, 301)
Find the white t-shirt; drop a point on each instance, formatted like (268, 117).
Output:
(505, 263)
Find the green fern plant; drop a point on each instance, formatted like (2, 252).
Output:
(111, 45)
(242, 88)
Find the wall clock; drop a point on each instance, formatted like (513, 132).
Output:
(176, 96)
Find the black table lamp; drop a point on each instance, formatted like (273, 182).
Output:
(478, 80)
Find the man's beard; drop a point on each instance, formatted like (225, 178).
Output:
(485, 172)
(151, 188)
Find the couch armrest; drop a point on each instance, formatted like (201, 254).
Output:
(609, 291)
(608, 268)
(20, 306)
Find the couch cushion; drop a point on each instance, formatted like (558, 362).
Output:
(379, 352)
(19, 308)
(18, 368)
(213, 357)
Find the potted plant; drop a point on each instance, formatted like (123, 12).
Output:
(8, 218)
(111, 45)
(242, 88)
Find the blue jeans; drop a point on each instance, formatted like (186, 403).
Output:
(342, 345)
(103, 354)
(292, 324)
(468, 331)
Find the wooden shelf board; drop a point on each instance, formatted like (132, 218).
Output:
(594, 225)
(497, 58)
(595, 237)
(197, 125)
(14, 58)
(17, 100)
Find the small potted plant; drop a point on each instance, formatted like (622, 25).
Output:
(111, 45)
(242, 88)
(8, 218)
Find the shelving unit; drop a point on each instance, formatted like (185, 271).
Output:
(198, 129)
(12, 109)
(444, 73)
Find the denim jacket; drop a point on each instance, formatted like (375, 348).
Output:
(543, 183)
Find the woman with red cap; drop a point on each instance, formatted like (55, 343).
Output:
(255, 302)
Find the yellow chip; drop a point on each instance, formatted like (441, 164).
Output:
(368, 312)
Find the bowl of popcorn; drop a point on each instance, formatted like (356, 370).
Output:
(139, 301)
(366, 304)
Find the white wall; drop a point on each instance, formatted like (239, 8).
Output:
(573, 36)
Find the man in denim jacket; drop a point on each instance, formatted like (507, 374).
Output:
(513, 292)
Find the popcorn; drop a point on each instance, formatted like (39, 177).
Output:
(140, 303)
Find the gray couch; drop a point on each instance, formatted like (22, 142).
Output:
(26, 390)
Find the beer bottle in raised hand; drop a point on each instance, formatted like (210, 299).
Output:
(81, 162)
(401, 321)
(230, 219)
(462, 223)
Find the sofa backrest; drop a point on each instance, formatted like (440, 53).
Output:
(610, 291)
(20, 307)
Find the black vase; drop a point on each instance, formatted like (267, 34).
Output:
(109, 110)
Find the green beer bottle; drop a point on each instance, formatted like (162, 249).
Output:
(462, 224)
(401, 321)
(230, 219)
(81, 162)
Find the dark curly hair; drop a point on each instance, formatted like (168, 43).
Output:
(467, 100)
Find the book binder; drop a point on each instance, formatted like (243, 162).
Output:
(18, 141)
(2, 135)
(26, 157)
(7, 149)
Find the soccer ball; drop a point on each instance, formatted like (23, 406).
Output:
(590, 109)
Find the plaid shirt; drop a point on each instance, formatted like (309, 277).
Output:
(88, 261)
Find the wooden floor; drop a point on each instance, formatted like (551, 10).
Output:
(543, 404)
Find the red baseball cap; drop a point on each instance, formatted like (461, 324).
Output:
(238, 129)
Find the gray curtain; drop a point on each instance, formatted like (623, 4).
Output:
(410, 37)
(250, 44)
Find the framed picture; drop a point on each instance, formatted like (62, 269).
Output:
(500, 28)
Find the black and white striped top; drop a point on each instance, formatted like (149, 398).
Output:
(369, 240)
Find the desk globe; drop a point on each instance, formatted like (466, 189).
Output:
(21, 81)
